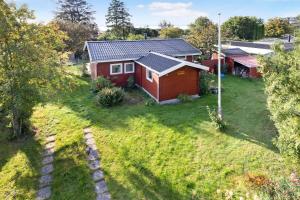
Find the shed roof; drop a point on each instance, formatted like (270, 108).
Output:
(157, 62)
(103, 51)
(163, 64)
(248, 61)
(234, 52)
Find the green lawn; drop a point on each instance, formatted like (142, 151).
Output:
(155, 152)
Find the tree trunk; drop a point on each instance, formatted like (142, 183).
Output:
(16, 123)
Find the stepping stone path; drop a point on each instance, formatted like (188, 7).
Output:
(44, 191)
(94, 164)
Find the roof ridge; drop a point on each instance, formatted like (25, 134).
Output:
(103, 41)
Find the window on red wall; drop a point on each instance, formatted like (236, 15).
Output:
(129, 67)
(149, 75)
(116, 69)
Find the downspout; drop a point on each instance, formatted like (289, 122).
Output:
(158, 90)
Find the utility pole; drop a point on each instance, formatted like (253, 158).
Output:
(219, 69)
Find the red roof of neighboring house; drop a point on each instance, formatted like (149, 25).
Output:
(248, 61)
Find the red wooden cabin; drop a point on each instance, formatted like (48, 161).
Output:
(162, 68)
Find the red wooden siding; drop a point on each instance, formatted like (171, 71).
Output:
(181, 81)
(253, 73)
(190, 58)
(103, 69)
(141, 80)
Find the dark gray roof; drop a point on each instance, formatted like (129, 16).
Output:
(157, 62)
(131, 50)
(251, 45)
(234, 51)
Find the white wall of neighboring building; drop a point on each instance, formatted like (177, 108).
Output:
(250, 50)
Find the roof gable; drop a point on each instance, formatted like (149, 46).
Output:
(163, 64)
(101, 51)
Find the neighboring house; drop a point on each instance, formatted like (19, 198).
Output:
(162, 68)
(262, 47)
(241, 57)
(239, 62)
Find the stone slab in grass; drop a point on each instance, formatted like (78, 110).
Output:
(50, 145)
(47, 169)
(45, 180)
(100, 187)
(47, 160)
(90, 141)
(50, 134)
(105, 196)
(87, 130)
(91, 148)
(48, 152)
(50, 139)
(94, 165)
(93, 155)
(44, 193)
(98, 175)
(88, 136)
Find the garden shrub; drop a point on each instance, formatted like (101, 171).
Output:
(110, 96)
(285, 188)
(84, 71)
(217, 122)
(150, 102)
(184, 98)
(205, 82)
(130, 82)
(100, 83)
(281, 77)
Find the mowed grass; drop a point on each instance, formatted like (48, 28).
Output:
(155, 152)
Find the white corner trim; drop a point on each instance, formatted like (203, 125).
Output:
(110, 68)
(133, 68)
(86, 46)
(147, 92)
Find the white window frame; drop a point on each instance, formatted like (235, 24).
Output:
(147, 72)
(121, 67)
(133, 66)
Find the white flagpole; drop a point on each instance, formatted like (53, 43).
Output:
(219, 69)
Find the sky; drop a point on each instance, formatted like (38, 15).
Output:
(179, 12)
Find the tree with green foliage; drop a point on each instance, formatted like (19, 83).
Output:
(118, 19)
(281, 74)
(29, 63)
(77, 33)
(243, 28)
(107, 35)
(165, 24)
(135, 37)
(74, 11)
(151, 33)
(203, 34)
(277, 27)
(75, 17)
(171, 32)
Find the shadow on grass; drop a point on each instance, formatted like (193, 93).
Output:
(25, 181)
(71, 176)
(179, 118)
(147, 185)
